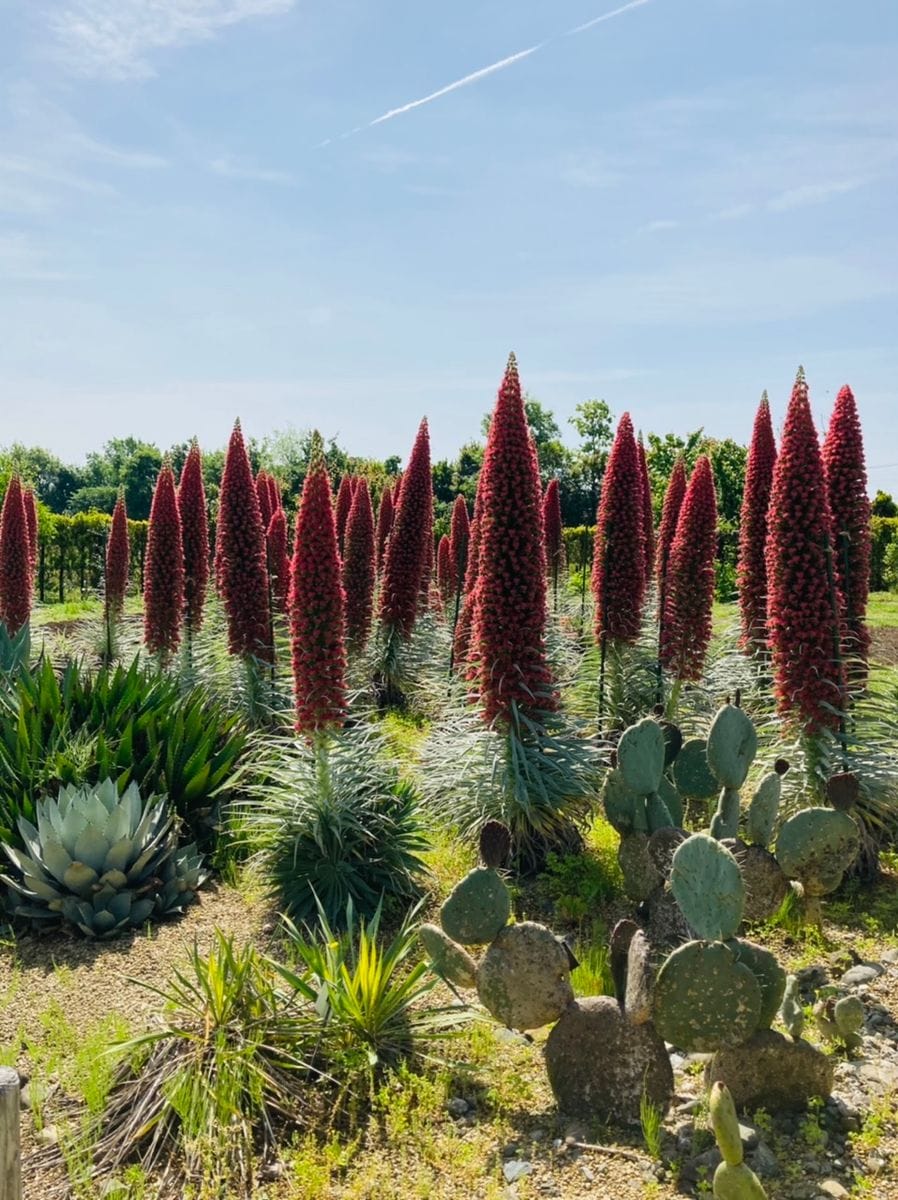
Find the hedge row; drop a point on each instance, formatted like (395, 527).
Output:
(72, 553)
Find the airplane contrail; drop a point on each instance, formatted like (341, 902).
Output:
(475, 76)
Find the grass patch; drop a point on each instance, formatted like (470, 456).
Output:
(882, 610)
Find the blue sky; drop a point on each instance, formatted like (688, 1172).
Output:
(670, 209)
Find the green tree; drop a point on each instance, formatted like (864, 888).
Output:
(883, 505)
(593, 422)
(138, 478)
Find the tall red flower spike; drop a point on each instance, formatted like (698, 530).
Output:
(846, 483)
(343, 505)
(445, 570)
(648, 517)
(508, 650)
(552, 525)
(689, 594)
(118, 559)
(163, 587)
(194, 536)
(31, 522)
(618, 566)
(16, 576)
(459, 539)
(462, 640)
(242, 569)
(359, 572)
(274, 494)
(316, 607)
(263, 491)
(801, 624)
(407, 549)
(278, 558)
(384, 524)
(670, 514)
(752, 570)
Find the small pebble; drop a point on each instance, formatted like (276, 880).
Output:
(457, 1106)
(516, 1169)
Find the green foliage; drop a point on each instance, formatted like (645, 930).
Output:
(578, 884)
(368, 995)
(132, 725)
(593, 977)
(651, 1120)
(101, 862)
(333, 823)
(884, 532)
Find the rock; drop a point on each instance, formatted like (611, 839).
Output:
(877, 1077)
(833, 1189)
(599, 1063)
(516, 1169)
(639, 872)
(640, 980)
(773, 1072)
(456, 1106)
(702, 1167)
(812, 978)
(890, 956)
(524, 980)
(48, 1136)
(764, 1162)
(666, 927)
(750, 1136)
(860, 975)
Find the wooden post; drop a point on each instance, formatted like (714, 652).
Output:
(10, 1154)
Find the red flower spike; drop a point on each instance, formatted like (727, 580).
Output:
(194, 537)
(16, 575)
(464, 627)
(846, 484)
(274, 495)
(359, 573)
(459, 539)
(118, 559)
(31, 522)
(278, 558)
(384, 524)
(689, 594)
(163, 588)
(670, 513)
(552, 525)
(263, 491)
(316, 609)
(648, 518)
(407, 549)
(618, 568)
(241, 551)
(752, 570)
(508, 653)
(445, 570)
(800, 619)
(343, 505)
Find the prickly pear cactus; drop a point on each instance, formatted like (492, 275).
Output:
(707, 885)
(476, 908)
(764, 807)
(623, 808)
(449, 960)
(849, 1015)
(691, 772)
(640, 876)
(524, 980)
(640, 756)
(791, 1010)
(843, 790)
(495, 844)
(770, 976)
(816, 847)
(673, 801)
(732, 745)
(733, 1180)
(705, 998)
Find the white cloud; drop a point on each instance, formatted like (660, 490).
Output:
(812, 193)
(659, 226)
(230, 168)
(114, 39)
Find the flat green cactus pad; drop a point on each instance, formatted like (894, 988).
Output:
(620, 803)
(817, 846)
(707, 885)
(450, 961)
(640, 756)
(770, 976)
(673, 801)
(737, 1183)
(705, 998)
(476, 908)
(691, 772)
(732, 745)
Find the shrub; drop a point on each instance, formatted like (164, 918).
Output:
(334, 823)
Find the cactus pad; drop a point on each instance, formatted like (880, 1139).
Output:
(450, 961)
(640, 876)
(766, 887)
(476, 908)
(817, 846)
(725, 1123)
(691, 772)
(707, 884)
(737, 1183)
(620, 803)
(770, 976)
(524, 980)
(673, 801)
(640, 756)
(791, 1009)
(762, 811)
(673, 741)
(640, 980)
(663, 845)
(495, 844)
(732, 745)
(849, 1014)
(619, 946)
(705, 998)
(843, 790)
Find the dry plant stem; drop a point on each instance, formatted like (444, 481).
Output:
(612, 1151)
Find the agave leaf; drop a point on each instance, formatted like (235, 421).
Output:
(119, 854)
(54, 856)
(114, 879)
(38, 885)
(91, 848)
(80, 878)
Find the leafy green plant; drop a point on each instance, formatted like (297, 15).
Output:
(578, 883)
(651, 1120)
(333, 823)
(130, 725)
(593, 976)
(369, 995)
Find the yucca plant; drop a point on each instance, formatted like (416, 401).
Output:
(331, 823)
(368, 993)
(132, 725)
(227, 1068)
(101, 862)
